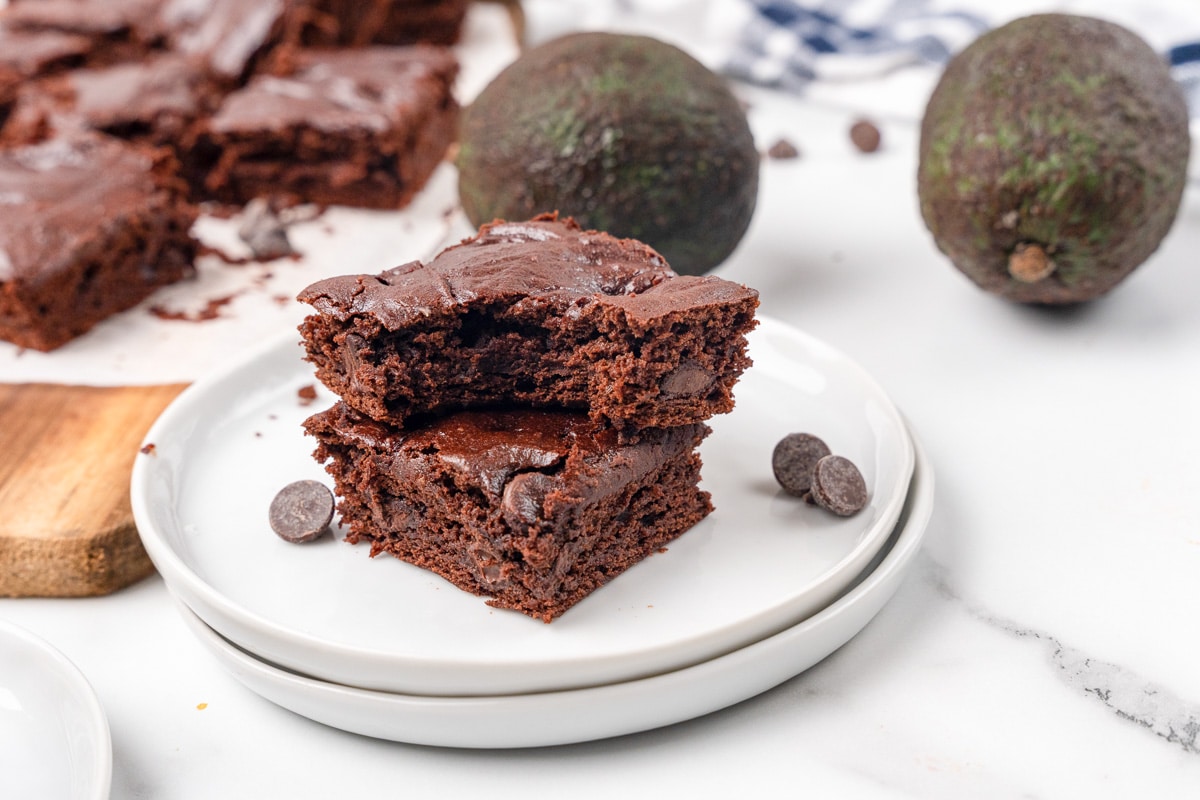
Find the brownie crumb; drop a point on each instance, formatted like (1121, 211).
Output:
(783, 149)
(147, 449)
(264, 231)
(307, 394)
(211, 310)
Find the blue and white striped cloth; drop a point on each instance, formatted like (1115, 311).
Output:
(788, 44)
(794, 44)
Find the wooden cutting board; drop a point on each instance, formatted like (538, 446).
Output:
(66, 452)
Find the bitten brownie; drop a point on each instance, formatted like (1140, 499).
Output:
(534, 509)
(89, 226)
(536, 313)
(361, 127)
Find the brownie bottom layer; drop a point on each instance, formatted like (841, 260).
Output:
(559, 528)
(607, 539)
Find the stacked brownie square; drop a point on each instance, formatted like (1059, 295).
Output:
(193, 101)
(521, 415)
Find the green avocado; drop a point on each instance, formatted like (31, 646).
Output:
(1053, 157)
(627, 134)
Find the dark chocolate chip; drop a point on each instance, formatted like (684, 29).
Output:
(523, 499)
(794, 459)
(302, 511)
(865, 136)
(686, 380)
(838, 486)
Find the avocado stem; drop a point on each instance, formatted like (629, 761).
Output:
(1029, 263)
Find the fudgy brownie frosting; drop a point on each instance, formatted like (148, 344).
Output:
(89, 226)
(535, 313)
(535, 509)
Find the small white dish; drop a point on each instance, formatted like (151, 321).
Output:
(564, 717)
(54, 737)
(760, 563)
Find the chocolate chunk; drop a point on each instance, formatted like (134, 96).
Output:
(838, 486)
(794, 459)
(302, 511)
(264, 232)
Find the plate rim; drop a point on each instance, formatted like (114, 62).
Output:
(241, 623)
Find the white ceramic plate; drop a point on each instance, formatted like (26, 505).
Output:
(762, 562)
(553, 718)
(54, 737)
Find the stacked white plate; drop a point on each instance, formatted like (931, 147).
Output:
(762, 589)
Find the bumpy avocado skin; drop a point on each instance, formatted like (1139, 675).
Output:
(627, 134)
(1060, 131)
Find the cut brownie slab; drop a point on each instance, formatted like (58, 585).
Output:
(115, 30)
(156, 100)
(534, 313)
(26, 55)
(534, 509)
(361, 127)
(231, 37)
(89, 226)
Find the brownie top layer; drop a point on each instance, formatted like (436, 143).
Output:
(546, 262)
(514, 456)
(91, 18)
(55, 195)
(373, 88)
(27, 55)
(228, 34)
(137, 91)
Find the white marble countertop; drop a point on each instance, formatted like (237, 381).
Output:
(1044, 645)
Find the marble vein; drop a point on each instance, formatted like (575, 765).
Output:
(1127, 694)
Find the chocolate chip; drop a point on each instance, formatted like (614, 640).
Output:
(865, 136)
(794, 459)
(687, 379)
(302, 511)
(523, 499)
(838, 486)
